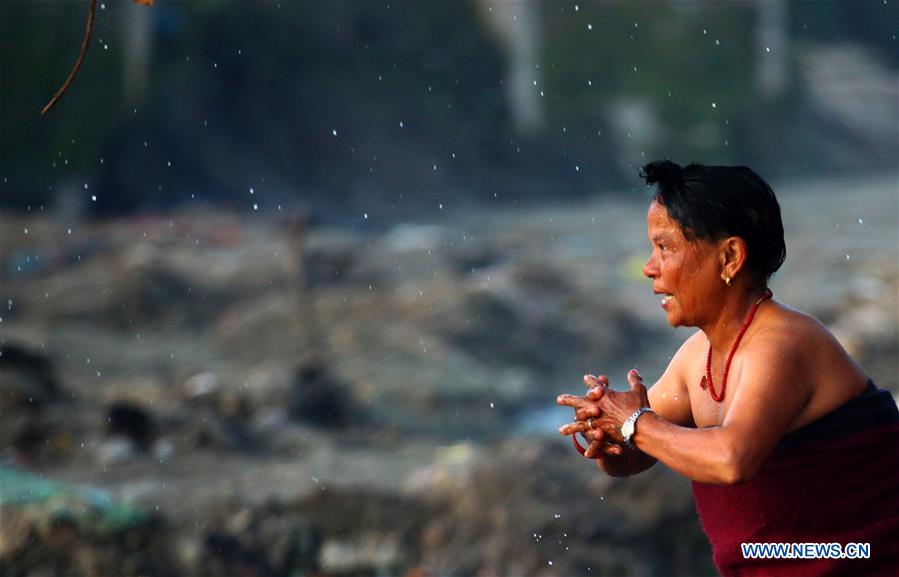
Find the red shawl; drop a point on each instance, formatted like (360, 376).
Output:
(835, 480)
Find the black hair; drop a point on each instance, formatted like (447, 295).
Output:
(714, 202)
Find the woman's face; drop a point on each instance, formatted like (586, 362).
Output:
(685, 272)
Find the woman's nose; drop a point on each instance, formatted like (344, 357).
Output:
(650, 269)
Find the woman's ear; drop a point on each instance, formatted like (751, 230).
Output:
(733, 254)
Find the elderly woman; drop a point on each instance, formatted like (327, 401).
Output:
(784, 436)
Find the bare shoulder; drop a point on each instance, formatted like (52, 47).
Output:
(802, 349)
(794, 333)
(692, 348)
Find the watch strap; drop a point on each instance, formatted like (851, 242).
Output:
(633, 424)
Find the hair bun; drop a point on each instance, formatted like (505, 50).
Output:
(666, 173)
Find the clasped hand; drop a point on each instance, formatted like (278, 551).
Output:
(600, 413)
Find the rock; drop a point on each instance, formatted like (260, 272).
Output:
(271, 420)
(366, 554)
(270, 385)
(131, 422)
(26, 377)
(43, 438)
(202, 385)
(364, 531)
(207, 429)
(615, 527)
(115, 450)
(329, 265)
(266, 540)
(410, 237)
(318, 398)
(163, 450)
(55, 529)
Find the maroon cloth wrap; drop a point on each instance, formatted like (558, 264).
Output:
(835, 480)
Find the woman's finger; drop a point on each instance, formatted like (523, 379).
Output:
(572, 428)
(612, 449)
(634, 379)
(593, 381)
(594, 435)
(594, 450)
(588, 412)
(572, 401)
(636, 382)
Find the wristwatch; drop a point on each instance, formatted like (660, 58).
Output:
(630, 425)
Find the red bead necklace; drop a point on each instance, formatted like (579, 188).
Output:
(707, 379)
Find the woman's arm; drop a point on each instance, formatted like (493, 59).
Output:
(770, 393)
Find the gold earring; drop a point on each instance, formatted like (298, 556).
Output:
(727, 280)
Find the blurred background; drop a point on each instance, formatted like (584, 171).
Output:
(289, 288)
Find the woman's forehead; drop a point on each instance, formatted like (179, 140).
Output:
(658, 221)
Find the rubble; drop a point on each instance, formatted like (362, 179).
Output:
(362, 411)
